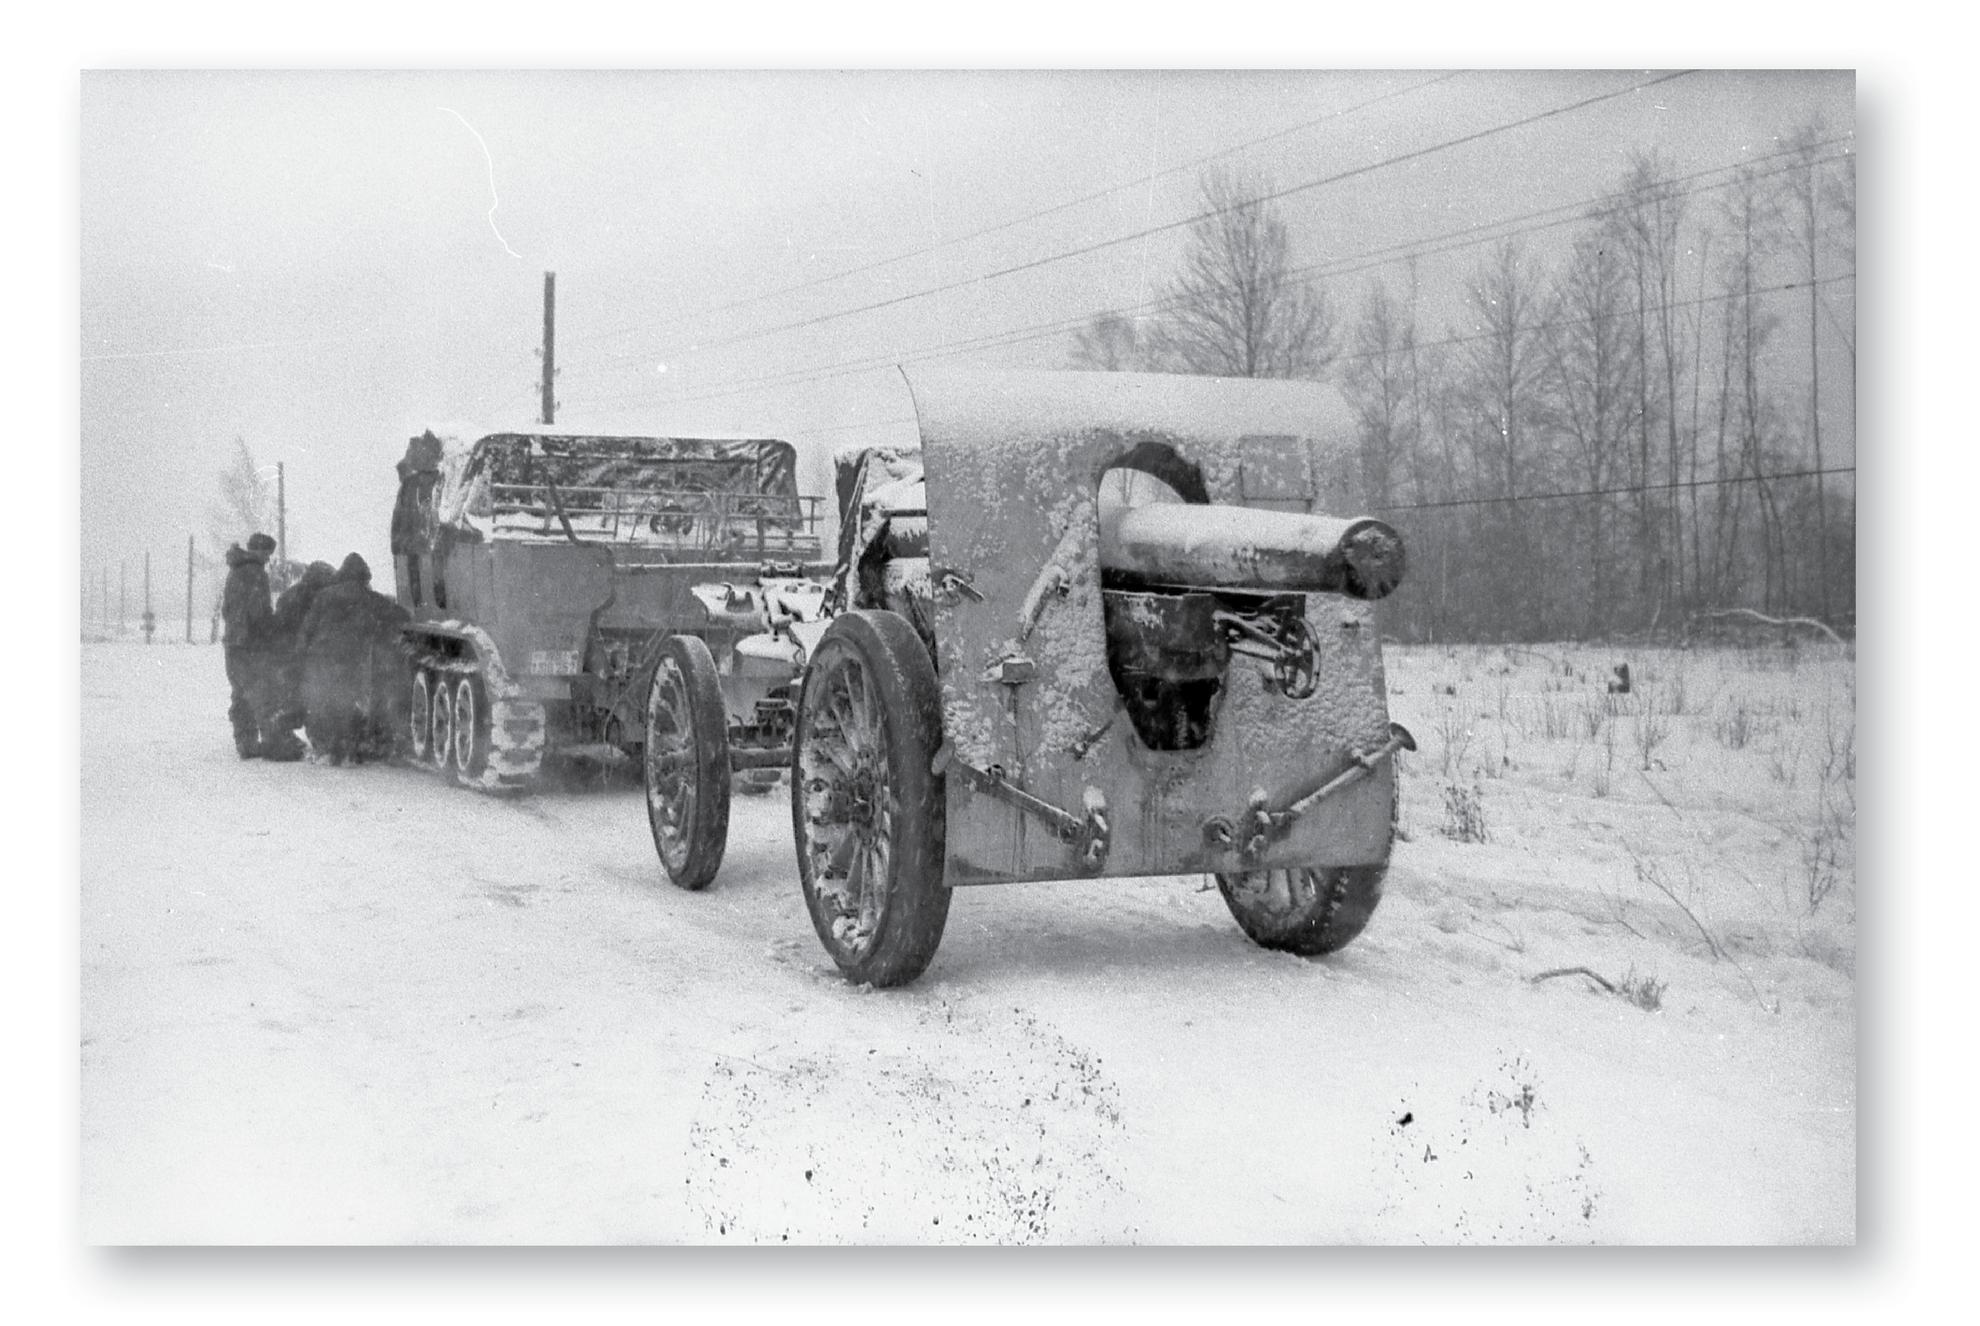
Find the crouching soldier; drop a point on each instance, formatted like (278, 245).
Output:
(249, 617)
(353, 672)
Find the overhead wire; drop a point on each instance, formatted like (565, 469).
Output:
(228, 349)
(1442, 342)
(1064, 255)
(1469, 237)
(1627, 491)
(1014, 222)
(1506, 228)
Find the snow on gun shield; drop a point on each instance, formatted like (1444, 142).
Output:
(1145, 648)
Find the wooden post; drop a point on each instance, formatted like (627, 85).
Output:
(549, 347)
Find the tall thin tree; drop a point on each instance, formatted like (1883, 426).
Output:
(1503, 365)
(1236, 309)
(1806, 203)
(1592, 375)
(1650, 222)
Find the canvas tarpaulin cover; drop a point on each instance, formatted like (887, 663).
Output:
(637, 489)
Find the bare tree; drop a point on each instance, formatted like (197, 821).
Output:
(1380, 386)
(243, 500)
(1592, 372)
(1695, 433)
(1237, 310)
(1753, 222)
(1112, 343)
(1502, 379)
(1806, 204)
(1841, 199)
(1648, 225)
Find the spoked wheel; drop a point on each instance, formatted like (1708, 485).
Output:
(470, 729)
(687, 762)
(865, 805)
(440, 729)
(421, 719)
(1309, 910)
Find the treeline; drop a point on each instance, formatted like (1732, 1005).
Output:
(1624, 429)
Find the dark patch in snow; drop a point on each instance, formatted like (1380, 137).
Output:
(954, 1131)
(1523, 1181)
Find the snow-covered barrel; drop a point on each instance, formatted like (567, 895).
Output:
(1245, 548)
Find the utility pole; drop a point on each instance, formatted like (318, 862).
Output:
(189, 587)
(103, 603)
(281, 519)
(123, 577)
(549, 347)
(150, 621)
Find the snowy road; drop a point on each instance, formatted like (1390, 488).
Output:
(355, 1005)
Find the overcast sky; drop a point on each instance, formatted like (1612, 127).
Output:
(325, 263)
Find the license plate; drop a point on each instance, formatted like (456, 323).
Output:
(554, 662)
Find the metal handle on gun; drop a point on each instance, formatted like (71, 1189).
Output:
(1364, 764)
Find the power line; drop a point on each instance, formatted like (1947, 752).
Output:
(1099, 245)
(1619, 492)
(1494, 231)
(800, 376)
(1466, 238)
(1096, 195)
(1628, 311)
(858, 423)
(1328, 268)
(228, 349)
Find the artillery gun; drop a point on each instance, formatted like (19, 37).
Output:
(1097, 625)
(553, 574)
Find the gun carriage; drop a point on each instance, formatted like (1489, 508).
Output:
(1097, 625)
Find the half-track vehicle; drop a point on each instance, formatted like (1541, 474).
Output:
(1097, 625)
(553, 573)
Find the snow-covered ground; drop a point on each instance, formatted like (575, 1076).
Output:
(354, 1005)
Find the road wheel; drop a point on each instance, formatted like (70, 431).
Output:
(1309, 910)
(440, 730)
(687, 762)
(470, 729)
(421, 719)
(866, 807)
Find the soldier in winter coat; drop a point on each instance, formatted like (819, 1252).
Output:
(286, 644)
(353, 672)
(248, 617)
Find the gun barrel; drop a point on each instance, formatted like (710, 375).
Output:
(1244, 548)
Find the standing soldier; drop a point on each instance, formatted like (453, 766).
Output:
(247, 613)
